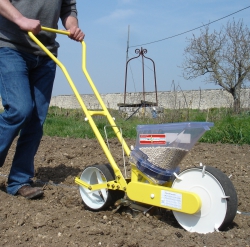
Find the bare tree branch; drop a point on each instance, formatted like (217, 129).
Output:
(223, 57)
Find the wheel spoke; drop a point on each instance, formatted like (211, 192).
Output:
(103, 192)
(98, 197)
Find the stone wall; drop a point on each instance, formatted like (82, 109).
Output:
(193, 99)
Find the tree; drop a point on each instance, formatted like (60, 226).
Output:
(223, 57)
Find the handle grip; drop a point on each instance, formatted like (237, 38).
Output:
(55, 30)
(52, 30)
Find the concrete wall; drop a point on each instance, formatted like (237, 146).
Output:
(193, 99)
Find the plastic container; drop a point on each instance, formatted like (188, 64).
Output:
(159, 175)
(183, 135)
(160, 148)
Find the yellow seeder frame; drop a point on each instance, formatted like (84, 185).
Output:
(135, 187)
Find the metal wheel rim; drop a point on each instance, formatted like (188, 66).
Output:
(93, 199)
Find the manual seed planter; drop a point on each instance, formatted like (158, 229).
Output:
(203, 199)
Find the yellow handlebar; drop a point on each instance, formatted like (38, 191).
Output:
(86, 111)
(55, 30)
(52, 30)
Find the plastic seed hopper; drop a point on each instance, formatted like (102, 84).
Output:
(203, 198)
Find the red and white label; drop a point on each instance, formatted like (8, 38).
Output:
(149, 139)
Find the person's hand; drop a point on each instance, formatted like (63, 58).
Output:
(31, 25)
(76, 33)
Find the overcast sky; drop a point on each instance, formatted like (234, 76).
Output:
(106, 23)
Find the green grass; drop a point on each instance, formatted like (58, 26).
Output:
(228, 127)
(64, 127)
(231, 129)
(71, 123)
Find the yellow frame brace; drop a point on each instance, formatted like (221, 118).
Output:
(89, 114)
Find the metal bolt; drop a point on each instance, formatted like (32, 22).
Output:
(90, 188)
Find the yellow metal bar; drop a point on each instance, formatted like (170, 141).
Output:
(110, 119)
(121, 179)
(113, 185)
(64, 71)
(160, 196)
(91, 186)
(55, 30)
(82, 183)
(101, 113)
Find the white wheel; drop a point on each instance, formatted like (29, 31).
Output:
(218, 199)
(98, 199)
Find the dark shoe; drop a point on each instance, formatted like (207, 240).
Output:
(30, 192)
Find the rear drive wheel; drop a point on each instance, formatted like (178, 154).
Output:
(98, 199)
(218, 198)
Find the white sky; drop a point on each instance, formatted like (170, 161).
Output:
(105, 24)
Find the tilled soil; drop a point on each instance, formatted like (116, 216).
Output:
(60, 219)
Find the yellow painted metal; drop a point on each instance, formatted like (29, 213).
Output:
(150, 194)
(112, 185)
(82, 183)
(138, 176)
(89, 114)
(167, 184)
(101, 113)
(55, 30)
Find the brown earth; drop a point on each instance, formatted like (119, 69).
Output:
(60, 219)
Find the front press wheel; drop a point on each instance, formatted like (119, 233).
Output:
(98, 199)
(218, 199)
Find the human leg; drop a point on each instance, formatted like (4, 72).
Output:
(16, 98)
(41, 76)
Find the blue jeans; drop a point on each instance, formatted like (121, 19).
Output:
(26, 83)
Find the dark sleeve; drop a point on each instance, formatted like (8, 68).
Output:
(68, 8)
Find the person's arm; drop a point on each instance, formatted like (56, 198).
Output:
(8, 11)
(71, 24)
